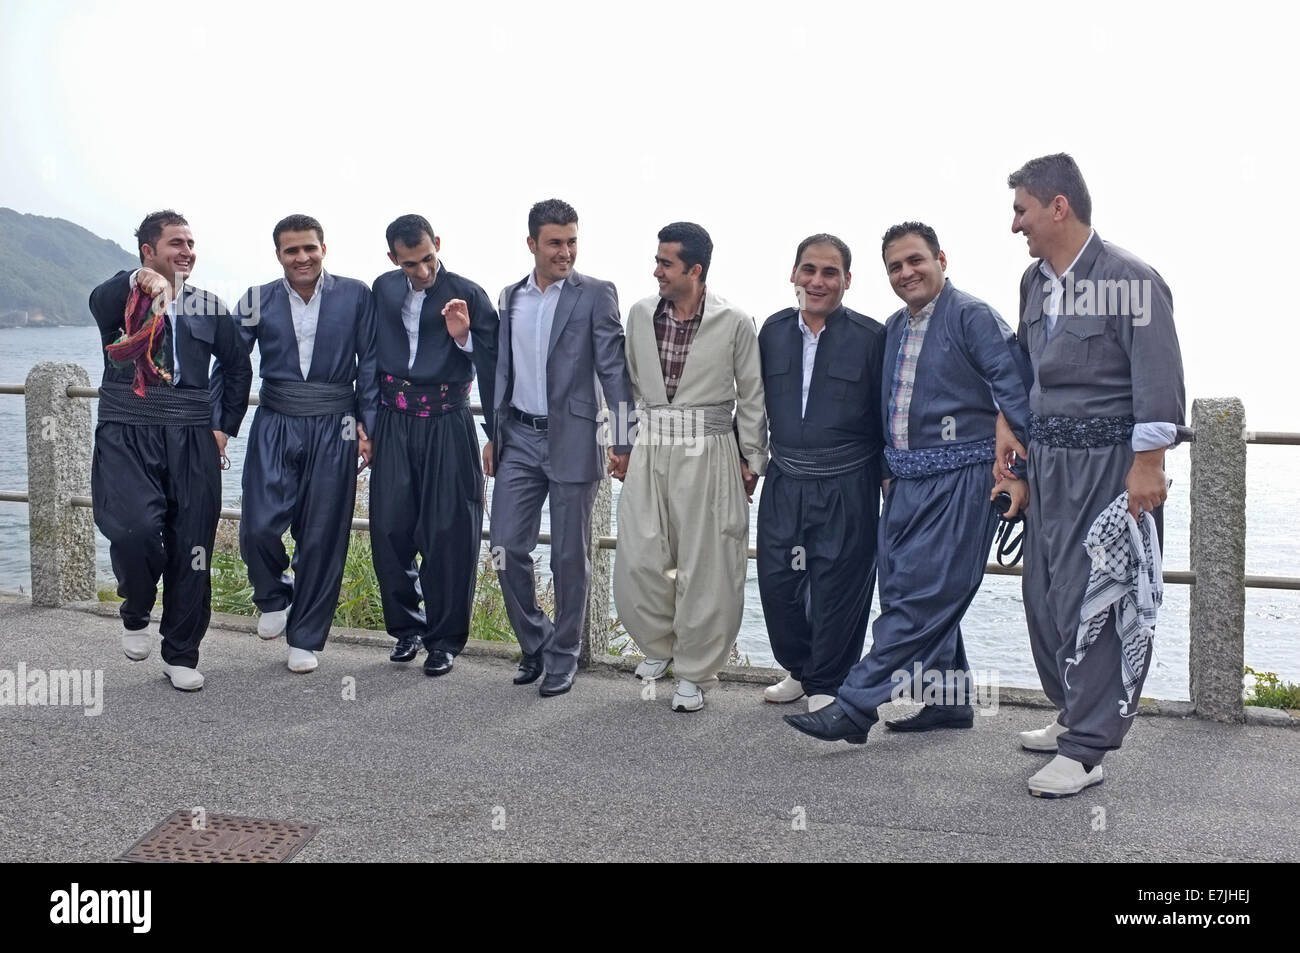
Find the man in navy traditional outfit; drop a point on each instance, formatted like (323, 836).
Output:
(317, 408)
(822, 365)
(950, 362)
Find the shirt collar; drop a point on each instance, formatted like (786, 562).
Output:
(666, 306)
(293, 291)
(532, 285)
(807, 331)
(436, 276)
(1045, 266)
(926, 313)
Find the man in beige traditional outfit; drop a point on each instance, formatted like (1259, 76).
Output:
(683, 514)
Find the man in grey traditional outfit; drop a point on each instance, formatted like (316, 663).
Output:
(950, 363)
(683, 516)
(1107, 398)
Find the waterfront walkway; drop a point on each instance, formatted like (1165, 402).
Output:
(418, 769)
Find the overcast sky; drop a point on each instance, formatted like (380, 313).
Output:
(762, 122)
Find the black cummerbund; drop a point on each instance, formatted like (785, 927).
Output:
(307, 398)
(171, 406)
(422, 400)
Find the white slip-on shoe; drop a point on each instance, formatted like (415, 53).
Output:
(688, 696)
(1043, 739)
(272, 624)
(653, 668)
(302, 661)
(786, 690)
(818, 702)
(138, 644)
(1063, 777)
(183, 679)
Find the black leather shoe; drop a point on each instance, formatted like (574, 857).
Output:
(831, 723)
(405, 649)
(530, 669)
(555, 685)
(438, 662)
(935, 716)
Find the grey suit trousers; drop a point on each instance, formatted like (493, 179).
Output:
(524, 480)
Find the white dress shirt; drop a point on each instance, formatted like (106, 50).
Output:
(531, 315)
(411, 308)
(305, 314)
(809, 359)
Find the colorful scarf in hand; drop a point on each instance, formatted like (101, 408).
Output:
(142, 343)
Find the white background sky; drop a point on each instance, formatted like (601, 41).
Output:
(763, 122)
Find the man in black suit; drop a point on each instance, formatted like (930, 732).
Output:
(433, 329)
(560, 332)
(156, 475)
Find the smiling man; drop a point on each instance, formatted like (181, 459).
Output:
(950, 363)
(317, 406)
(817, 517)
(156, 476)
(683, 515)
(434, 330)
(560, 332)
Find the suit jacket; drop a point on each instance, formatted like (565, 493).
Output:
(722, 367)
(437, 358)
(344, 349)
(202, 330)
(585, 357)
(1100, 361)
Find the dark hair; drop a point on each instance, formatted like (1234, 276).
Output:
(911, 228)
(550, 212)
(409, 230)
(822, 238)
(151, 228)
(297, 223)
(697, 246)
(1049, 176)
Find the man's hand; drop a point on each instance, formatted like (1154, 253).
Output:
(1146, 483)
(618, 464)
(750, 480)
(488, 468)
(365, 448)
(1019, 491)
(456, 313)
(1008, 448)
(221, 439)
(154, 284)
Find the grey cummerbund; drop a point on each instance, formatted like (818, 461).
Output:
(666, 423)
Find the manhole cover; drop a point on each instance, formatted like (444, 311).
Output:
(187, 838)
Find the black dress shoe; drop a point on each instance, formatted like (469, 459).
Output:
(530, 669)
(406, 648)
(438, 662)
(555, 684)
(935, 716)
(831, 723)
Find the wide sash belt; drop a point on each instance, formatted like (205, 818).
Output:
(814, 463)
(929, 461)
(666, 424)
(307, 398)
(174, 406)
(1080, 432)
(422, 400)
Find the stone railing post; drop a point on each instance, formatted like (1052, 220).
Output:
(595, 634)
(1218, 557)
(58, 468)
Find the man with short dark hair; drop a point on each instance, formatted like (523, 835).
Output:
(950, 363)
(317, 408)
(817, 519)
(156, 474)
(560, 332)
(434, 330)
(1097, 324)
(683, 514)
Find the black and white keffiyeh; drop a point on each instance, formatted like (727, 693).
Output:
(1125, 574)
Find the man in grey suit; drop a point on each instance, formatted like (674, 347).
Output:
(560, 333)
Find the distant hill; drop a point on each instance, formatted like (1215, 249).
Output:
(48, 267)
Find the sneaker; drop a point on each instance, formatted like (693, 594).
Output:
(301, 661)
(183, 679)
(818, 702)
(271, 624)
(1063, 777)
(688, 696)
(653, 668)
(786, 690)
(1044, 739)
(137, 644)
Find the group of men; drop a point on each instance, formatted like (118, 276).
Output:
(1069, 412)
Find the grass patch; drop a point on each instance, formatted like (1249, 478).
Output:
(1269, 691)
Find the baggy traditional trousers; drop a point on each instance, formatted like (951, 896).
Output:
(300, 474)
(683, 540)
(1068, 489)
(935, 534)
